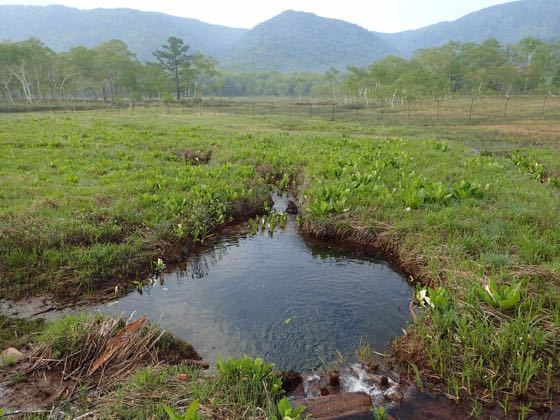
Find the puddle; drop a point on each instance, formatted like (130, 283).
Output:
(295, 302)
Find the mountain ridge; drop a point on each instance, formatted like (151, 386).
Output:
(290, 41)
(507, 22)
(82, 27)
(300, 38)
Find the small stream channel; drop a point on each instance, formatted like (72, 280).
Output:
(296, 302)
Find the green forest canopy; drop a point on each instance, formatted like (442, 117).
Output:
(29, 71)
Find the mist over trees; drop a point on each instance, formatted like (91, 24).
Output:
(529, 67)
(31, 72)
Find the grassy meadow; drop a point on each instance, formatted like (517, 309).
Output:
(91, 200)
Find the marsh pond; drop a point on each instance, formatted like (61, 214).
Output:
(295, 301)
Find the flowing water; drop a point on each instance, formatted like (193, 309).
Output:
(294, 301)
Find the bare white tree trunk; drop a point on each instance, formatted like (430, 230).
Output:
(529, 61)
(6, 91)
(19, 73)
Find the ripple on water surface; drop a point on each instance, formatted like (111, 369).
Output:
(292, 301)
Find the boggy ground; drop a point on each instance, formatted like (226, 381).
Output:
(91, 200)
(91, 366)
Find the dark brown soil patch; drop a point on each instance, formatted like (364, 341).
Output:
(196, 157)
(290, 380)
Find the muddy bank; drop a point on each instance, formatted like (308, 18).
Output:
(380, 244)
(86, 356)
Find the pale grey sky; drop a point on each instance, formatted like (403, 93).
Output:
(378, 15)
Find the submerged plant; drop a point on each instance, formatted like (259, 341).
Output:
(268, 222)
(253, 226)
(365, 352)
(503, 298)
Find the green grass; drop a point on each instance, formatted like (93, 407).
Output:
(17, 332)
(87, 201)
(243, 388)
(223, 394)
(67, 334)
(94, 198)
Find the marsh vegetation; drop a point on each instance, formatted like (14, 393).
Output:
(92, 201)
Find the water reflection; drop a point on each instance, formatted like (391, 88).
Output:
(294, 302)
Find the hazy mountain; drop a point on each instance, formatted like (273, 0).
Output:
(291, 41)
(62, 28)
(508, 23)
(304, 41)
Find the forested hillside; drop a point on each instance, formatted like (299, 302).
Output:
(290, 42)
(62, 28)
(306, 42)
(509, 23)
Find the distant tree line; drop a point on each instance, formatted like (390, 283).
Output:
(530, 67)
(30, 71)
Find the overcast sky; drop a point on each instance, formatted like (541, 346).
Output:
(378, 15)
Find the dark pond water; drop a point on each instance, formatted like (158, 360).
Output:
(293, 301)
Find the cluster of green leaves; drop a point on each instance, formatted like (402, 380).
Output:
(190, 414)
(379, 413)
(287, 412)
(389, 179)
(534, 168)
(503, 298)
(250, 381)
(437, 298)
(442, 146)
(67, 334)
(244, 388)
(516, 346)
(16, 332)
(255, 373)
(416, 192)
(329, 200)
(528, 165)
